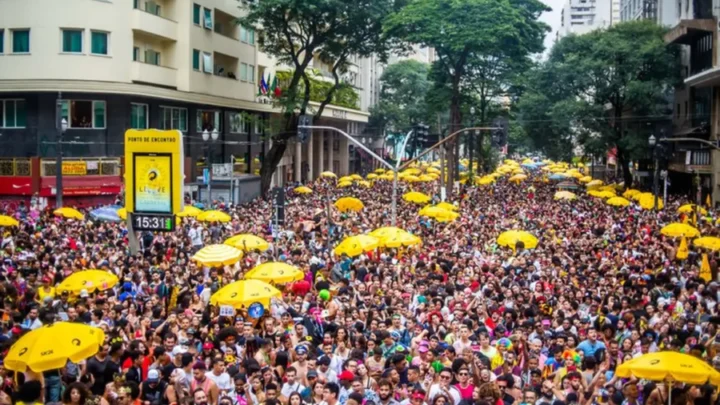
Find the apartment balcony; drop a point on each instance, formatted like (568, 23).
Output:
(153, 25)
(688, 30)
(692, 161)
(155, 75)
(222, 86)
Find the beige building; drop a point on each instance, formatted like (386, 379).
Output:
(169, 64)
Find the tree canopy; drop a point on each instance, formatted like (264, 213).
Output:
(403, 88)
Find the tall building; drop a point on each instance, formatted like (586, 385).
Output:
(582, 16)
(108, 66)
(664, 12)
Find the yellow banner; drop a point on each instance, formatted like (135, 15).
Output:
(74, 168)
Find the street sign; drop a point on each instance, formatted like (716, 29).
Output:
(279, 207)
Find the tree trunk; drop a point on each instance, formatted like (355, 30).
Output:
(270, 163)
(627, 176)
(455, 123)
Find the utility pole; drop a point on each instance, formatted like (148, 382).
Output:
(62, 126)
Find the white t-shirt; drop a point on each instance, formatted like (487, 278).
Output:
(288, 389)
(223, 381)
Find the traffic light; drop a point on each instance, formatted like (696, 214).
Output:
(303, 134)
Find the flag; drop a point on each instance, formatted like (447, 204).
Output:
(682, 252)
(262, 90)
(705, 272)
(708, 202)
(275, 88)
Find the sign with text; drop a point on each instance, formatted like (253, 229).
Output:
(74, 168)
(154, 171)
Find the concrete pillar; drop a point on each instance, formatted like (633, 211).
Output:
(298, 161)
(344, 157)
(321, 152)
(331, 152)
(310, 156)
(715, 178)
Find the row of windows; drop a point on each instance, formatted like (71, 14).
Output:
(203, 62)
(202, 17)
(72, 41)
(19, 40)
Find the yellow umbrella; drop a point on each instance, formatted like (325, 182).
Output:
(247, 242)
(595, 183)
(328, 175)
(640, 196)
(691, 208)
(189, 211)
(518, 178)
(433, 170)
(244, 293)
(416, 197)
(356, 177)
(218, 255)
(617, 202)
(372, 176)
(677, 230)
(411, 171)
(647, 202)
(88, 280)
(426, 178)
(364, 183)
(669, 366)
(67, 212)
(344, 184)
(303, 190)
(400, 239)
(511, 238)
(565, 195)
(585, 179)
(214, 216)
(630, 193)
(387, 231)
(51, 346)
(438, 213)
(380, 171)
(122, 213)
(411, 178)
(486, 181)
(349, 204)
(8, 221)
(446, 206)
(601, 194)
(275, 272)
(345, 179)
(707, 242)
(356, 245)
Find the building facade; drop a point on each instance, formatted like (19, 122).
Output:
(582, 16)
(108, 66)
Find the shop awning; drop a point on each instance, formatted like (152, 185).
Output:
(687, 30)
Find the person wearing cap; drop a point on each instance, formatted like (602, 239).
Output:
(301, 364)
(153, 389)
(345, 380)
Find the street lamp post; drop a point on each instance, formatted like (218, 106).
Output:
(207, 136)
(652, 141)
(471, 144)
(58, 163)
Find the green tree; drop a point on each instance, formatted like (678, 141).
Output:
(467, 34)
(594, 87)
(403, 87)
(297, 31)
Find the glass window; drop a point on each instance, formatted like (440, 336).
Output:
(136, 54)
(99, 114)
(12, 114)
(239, 124)
(2, 41)
(173, 118)
(243, 34)
(196, 14)
(99, 43)
(21, 41)
(72, 41)
(152, 57)
(196, 59)
(207, 62)
(208, 120)
(251, 36)
(243, 71)
(83, 113)
(138, 116)
(251, 73)
(207, 17)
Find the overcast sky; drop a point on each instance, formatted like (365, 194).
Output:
(552, 19)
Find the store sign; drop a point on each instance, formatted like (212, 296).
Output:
(74, 168)
(339, 114)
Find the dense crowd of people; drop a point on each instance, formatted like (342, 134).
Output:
(455, 320)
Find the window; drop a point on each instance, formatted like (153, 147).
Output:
(207, 62)
(251, 73)
(99, 43)
(2, 41)
(208, 120)
(21, 41)
(152, 57)
(138, 116)
(251, 36)
(173, 118)
(152, 8)
(243, 34)
(239, 124)
(72, 41)
(196, 60)
(84, 113)
(136, 54)
(243, 72)
(12, 114)
(196, 14)
(208, 23)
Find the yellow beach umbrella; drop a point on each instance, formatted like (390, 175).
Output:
(617, 202)
(433, 170)
(349, 204)
(343, 184)
(70, 213)
(400, 239)
(439, 214)
(411, 171)
(364, 183)
(51, 346)
(372, 176)
(218, 255)
(387, 231)
(585, 179)
(426, 178)
(707, 242)
(275, 273)
(518, 178)
(647, 202)
(630, 193)
(8, 221)
(594, 183)
(214, 216)
(416, 197)
(380, 171)
(601, 194)
(345, 179)
(303, 190)
(247, 242)
(691, 208)
(356, 245)
(677, 230)
(329, 175)
(411, 178)
(565, 195)
(189, 211)
(511, 238)
(669, 366)
(122, 213)
(484, 181)
(356, 177)
(640, 196)
(447, 206)
(244, 293)
(88, 280)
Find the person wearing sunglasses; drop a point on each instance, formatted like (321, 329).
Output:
(444, 387)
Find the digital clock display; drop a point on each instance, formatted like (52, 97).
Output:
(153, 222)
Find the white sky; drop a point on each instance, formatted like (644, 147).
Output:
(553, 20)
